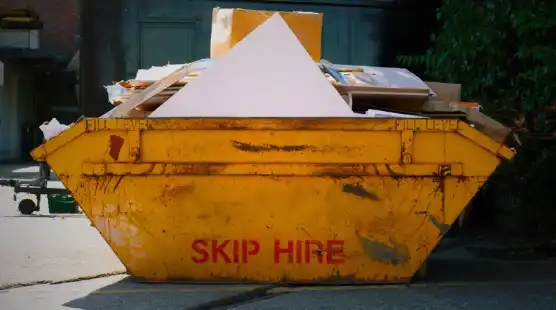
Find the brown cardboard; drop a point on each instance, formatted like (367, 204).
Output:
(229, 26)
(445, 91)
(490, 127)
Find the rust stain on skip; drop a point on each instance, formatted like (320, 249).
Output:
(339, 171)
(116, 143)
(358, 190)
(213, 168)
(396, 254)
(248, 147)
(173, 192)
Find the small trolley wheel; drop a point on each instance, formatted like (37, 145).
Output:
(27, 206)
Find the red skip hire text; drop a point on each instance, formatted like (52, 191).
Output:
(290, 251)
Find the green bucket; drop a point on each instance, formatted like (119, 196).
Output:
(62, 204)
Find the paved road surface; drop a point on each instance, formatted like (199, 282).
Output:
(473, 297)
(86, 295)
(43, 247)
(119, 293)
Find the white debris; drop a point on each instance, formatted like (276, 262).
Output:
(158, 73)
(267, 74)
(384, 114)
(114, 91)
(52, 128)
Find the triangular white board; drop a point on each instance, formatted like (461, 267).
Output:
(267, 74)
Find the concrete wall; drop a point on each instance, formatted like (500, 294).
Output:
(18, 96)
(17, 108)
(9, 137)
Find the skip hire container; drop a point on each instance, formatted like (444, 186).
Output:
(337, 200)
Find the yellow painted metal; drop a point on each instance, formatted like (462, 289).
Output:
(272, 200)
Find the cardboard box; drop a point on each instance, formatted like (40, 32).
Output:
(452, 92)
(229, 26)
(445, 91)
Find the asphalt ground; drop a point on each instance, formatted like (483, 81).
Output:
(122, 293)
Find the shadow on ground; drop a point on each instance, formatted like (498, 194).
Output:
(442, 272)
(128, 294)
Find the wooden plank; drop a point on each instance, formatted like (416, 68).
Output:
(488, 126)
(144, 84)
(373, 91)
(445, 91)
(433, 106)
(495, 130)
(138, 98)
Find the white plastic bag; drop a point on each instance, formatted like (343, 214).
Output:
(114, 91)
(52, 128)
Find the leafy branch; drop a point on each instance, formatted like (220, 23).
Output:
(502, 52)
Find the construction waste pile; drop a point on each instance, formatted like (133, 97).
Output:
(268, 164)
(268, 64)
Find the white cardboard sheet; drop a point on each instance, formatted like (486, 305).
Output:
(267, 74)
(386, 77)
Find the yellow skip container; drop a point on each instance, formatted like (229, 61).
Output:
(332, 200)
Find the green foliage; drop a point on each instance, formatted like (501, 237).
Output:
(503, 52)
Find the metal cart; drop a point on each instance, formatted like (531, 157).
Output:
(36, 187)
